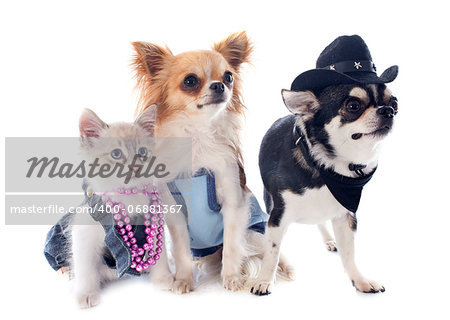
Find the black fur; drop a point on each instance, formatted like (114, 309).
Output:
(278, 166)
(279, 169)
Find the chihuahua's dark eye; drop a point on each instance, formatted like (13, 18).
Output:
(353, 106)
(190, 81)
(116, 154)
(142, 152)
(228, 77)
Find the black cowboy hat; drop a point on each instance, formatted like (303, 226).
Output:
(346, 60)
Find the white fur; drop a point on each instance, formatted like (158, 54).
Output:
(213, 131)
(212, 135)
(327, 237)
(177, 224)
(363, 151)
(317, 206)
(87, 243)
(87, 235)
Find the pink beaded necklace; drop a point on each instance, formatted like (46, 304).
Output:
(147, 255)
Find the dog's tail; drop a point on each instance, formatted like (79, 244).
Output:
(252, 267)
(208, 269)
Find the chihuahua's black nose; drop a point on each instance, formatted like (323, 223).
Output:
(217, 87)
(386, 111)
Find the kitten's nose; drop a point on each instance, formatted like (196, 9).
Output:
(217, 87)
(135, 168)
(386, 111)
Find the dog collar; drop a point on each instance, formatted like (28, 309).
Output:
(347, 191)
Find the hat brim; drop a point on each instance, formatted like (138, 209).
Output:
(321, 78)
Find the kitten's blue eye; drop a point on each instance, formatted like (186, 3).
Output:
(116, 154)
(142, 152)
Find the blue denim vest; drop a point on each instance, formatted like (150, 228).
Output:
(205, 225)
(205, 222)
(117, 254)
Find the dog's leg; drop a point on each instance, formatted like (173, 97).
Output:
(328, 239)
(235, 225)
(87, 260)
(345, 244)
(265, 280)
(275, 230)
(236, 213)
(160, 274)
(184, 279)
(285, 270)
(177, 224)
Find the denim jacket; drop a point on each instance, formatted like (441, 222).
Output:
(205, 225)
(205, 222)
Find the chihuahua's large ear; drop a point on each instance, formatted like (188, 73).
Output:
(303, 103)
(147, 119)
(236, 49)
(90, 125)
(149, 58)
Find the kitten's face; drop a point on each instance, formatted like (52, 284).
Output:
(121, 149)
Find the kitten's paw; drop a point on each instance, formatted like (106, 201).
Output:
(88, 300)
(261, 288)
(181, 286)
(233, 283)
(367, 286)
(331, 245)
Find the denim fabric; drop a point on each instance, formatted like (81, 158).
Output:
(205, 225)
(57, 250)
(205, 222)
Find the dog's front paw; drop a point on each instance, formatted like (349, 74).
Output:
(331, 245)
(262, 288)
(181, 286)
(88, 300)
(233, 283)
(367, 286)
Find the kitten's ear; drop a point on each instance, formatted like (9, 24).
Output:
(90, 125)
(303, 103)
(147, 119)
(236, 49)
(149, 59)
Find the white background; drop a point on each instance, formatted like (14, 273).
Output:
(59, 57)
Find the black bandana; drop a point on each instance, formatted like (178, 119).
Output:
(347, 191)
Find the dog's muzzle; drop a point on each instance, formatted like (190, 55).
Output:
(387, 112)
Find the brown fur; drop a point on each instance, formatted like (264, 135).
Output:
(153, 65)
(159, 74)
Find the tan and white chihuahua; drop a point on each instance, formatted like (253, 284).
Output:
(198, 95)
